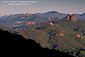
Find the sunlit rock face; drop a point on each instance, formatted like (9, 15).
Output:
(71, 17)
(51, 23)
(74, 18)
(28, 23)
(79, 36)
(61, 34)
(68, 17)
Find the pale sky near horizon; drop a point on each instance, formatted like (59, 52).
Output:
(41, 6)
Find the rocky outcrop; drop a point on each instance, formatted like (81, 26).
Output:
(68, 17)
(71, 17)
(51, 23)
(74, 18)
(28, 23)
(61, 34)
(79, 36)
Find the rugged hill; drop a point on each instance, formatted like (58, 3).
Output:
(16, 45)
(72, 18)
(18, 20)
(66, 35)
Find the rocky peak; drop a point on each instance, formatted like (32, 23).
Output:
(71, 17)
(68, 17)
(74, 18)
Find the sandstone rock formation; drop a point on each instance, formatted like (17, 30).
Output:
(61, 34)
(79, 36)
(74, 18)
(71, 17)
(28, 23)
(68, 17)
(51, 23)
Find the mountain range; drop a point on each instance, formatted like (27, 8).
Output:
(53, 30)
(19, 19)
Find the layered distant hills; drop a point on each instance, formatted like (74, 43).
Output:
(53, 30)
(17, 20)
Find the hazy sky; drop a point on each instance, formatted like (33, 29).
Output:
(63, 6)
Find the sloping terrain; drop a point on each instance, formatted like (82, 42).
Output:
(5, 28)
(16, 45)
(63, 35)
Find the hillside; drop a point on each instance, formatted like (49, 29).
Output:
(63, 35)
(16, 45)
(5, 28)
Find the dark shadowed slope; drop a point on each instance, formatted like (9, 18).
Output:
(16, 45)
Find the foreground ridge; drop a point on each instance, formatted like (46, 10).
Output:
(16, 45)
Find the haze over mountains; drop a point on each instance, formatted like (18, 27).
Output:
(38, 17)
(53, 30)
(52, 14)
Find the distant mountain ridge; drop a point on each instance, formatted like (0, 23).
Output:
(51, 14)
(19, 20)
